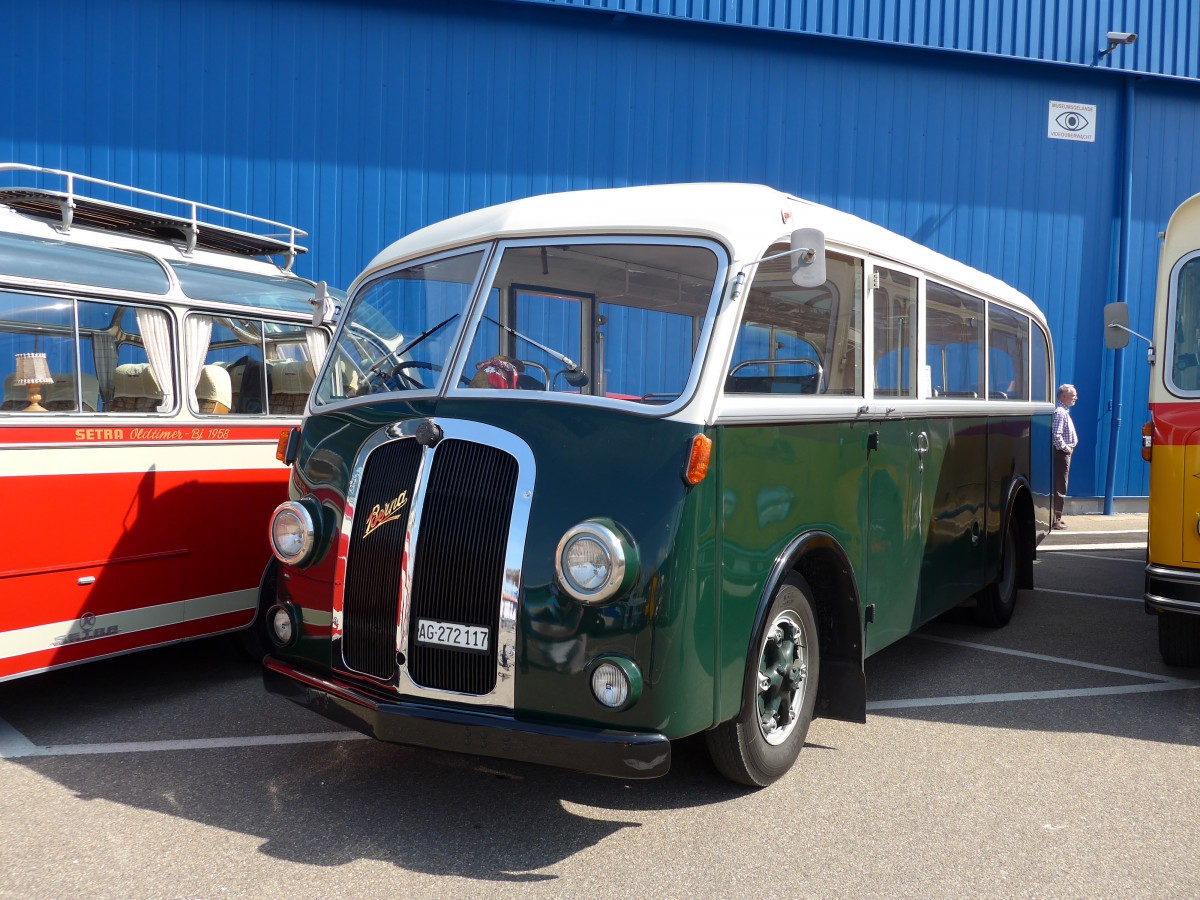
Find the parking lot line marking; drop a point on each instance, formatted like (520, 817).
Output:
(30, 749)
(1034, 695)
(1149, 676)
(1123, 545)
(1096, 596)
(1093, 557)
(12, 742)
(1075, 532)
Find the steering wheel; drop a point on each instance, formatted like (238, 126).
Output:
(411, 383)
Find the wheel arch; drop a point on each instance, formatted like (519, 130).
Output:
(1020, 505)
(821, 560)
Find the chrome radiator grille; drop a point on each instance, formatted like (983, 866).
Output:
(375, 561)
(459, 566)
(463, 512)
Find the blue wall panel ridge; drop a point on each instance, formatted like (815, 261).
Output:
(1062, 31)
(363, 121)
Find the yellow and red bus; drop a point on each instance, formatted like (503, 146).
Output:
(1171, 440)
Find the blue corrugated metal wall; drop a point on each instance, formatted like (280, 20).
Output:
(1065, 31)
(363, 121)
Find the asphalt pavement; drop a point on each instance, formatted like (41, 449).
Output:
(1056, 757)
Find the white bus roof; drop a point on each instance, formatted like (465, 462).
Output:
(744, 217)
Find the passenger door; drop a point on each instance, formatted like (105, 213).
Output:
(897, 446)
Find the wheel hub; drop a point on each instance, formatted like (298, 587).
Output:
(782, 678)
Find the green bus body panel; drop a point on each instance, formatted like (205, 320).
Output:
(921, 534)
(591, 463)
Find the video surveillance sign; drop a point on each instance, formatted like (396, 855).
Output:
(1072, 121)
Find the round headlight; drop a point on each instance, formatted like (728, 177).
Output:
(593, 562)
(616, 682)
(292, 533)
(282, 624)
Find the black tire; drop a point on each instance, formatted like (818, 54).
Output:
(781, 680)
(1179, 639)
(255, 640)
(994, 605)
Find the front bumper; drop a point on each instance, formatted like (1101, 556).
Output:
(1172, 590)
(618, 754)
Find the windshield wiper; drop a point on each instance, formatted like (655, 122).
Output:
(573, 373)
(396, 354)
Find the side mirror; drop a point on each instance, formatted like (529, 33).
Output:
(1116, 325)
(808, 257)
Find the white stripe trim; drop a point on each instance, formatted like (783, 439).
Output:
(42, 637)
(95, 459)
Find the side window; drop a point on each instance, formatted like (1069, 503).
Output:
(84, 356)
(895, 302)
(1039, 366)
(1008, 351)
(1184, 363)
(37, 352)
(248, 366)
(125, 355)
(795, 340)
(954, 342)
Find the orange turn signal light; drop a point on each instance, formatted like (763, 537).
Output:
(698, 459)
(286, 446)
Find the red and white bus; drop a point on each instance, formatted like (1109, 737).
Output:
(150, 361)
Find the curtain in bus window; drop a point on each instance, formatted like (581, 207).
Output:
(111, 341)
(197, 332)
(318, 345)
(30, 323)
(156, 337)
(1008, 350)
(795, 340)
(954, 327)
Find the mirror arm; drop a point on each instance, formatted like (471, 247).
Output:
(1151, 356)
(741, 275)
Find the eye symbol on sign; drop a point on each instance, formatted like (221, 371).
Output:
(1072, 121)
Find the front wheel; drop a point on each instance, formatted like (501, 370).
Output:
(995, 603)
(762, 743)
(1179, 639)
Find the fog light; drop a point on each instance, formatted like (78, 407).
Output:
(616, 683)
(284, 624)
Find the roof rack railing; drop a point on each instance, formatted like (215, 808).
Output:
(192, 227)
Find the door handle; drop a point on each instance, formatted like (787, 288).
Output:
(922, 449)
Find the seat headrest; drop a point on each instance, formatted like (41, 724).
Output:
(215, 384)
(290, 376)
(136, 380)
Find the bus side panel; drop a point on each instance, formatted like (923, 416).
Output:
(130, 552)
(1041, 472)
(778, 482)
(955, 489)
(1174, 492)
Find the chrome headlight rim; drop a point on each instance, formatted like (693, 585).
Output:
(308, 532)
(621, 554)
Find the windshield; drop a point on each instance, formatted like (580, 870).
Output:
(615, 320)
(399, 330)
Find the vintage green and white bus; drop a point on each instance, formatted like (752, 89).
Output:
(589, 472)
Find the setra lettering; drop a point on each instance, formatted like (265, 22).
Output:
(99, 434)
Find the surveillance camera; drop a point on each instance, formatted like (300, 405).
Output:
(1121, 37)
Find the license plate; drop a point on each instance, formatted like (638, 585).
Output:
(447, 634)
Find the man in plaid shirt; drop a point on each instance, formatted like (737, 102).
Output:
(1064, 438)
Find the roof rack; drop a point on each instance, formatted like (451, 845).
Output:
(71, 209)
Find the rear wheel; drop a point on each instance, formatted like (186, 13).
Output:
(780, 692)
(1179, 639)
(995, 603)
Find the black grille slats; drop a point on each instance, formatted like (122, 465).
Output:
(458, 571)
(375, 559)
